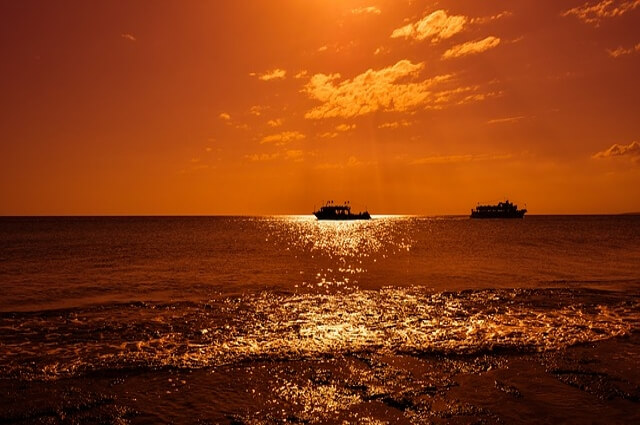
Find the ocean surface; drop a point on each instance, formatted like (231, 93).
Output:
(284, 319)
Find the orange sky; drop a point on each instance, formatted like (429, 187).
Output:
(270, 107)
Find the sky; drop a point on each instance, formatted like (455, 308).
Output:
(275, 106)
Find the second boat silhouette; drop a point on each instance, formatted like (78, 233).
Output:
(502, 210)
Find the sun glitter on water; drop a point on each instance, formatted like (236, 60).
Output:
(341, 250)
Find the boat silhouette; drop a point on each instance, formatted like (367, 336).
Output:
(504, 209)
(330, 211)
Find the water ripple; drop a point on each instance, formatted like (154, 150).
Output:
(276, 326)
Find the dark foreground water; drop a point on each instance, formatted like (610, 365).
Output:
(407, 320)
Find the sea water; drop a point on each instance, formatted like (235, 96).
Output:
(398, 319)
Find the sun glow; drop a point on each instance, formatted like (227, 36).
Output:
(410, 108)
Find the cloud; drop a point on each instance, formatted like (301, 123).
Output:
(128, 36)
(380, 51)
(485, 19)
(436, 26)
(275, 74)
(621, 51)
(294, 155)
(259, 157)
(256, 110)
(395, 124)
(460, 96)
(383, 89)
(366, 10)
(632, 151)
(224, 116)
(288, 155)
(283, 137)
(471, 47)
(451, 159)
(505, 120)
(351, 162)
(596, 11)
(341, 128)
(345, 127)
(301, 74)
(275, 123)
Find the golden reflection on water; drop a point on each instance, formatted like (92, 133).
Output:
(303, 326)
(316, 400)
(387, 321)
(354, 238)
(342, 250)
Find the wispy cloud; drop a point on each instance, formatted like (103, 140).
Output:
(288, 155)
(486, 19)
(395, 124)
(256, 110)
(275, 122)
(274, 74)
(631, 151)
(460, 96)
(373, 90)
(380, 51)
(472, 47)
(505, 120)
(450, 159)
(596, 11)
(128, 36)
(341, 128)
(260, 157)
(294, 155)
(366, 10)
(345, 127)
(351, 162)
(435, 26)
(224, 116)
(623, 51)
(283, 137)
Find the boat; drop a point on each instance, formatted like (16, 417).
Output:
(504, 209)
(330, 211)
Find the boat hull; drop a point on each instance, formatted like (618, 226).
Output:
(510, 214)
(342, 217)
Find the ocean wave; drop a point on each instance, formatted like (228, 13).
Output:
(285, 326)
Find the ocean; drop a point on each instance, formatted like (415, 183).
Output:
(285, 319)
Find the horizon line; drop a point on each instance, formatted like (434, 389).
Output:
(630, 213)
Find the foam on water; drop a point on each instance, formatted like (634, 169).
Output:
(269, 325)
